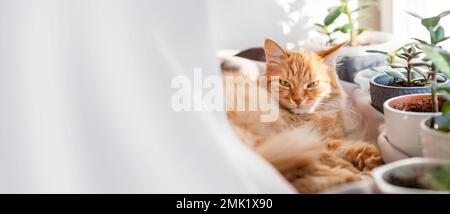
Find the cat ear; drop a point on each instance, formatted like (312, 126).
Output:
(274, 52)
(329, 56)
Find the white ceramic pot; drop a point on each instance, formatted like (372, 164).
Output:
(435, 144)
(351, 60)
(363, 77)
(407, 168)
(386, 42)
(403, 127)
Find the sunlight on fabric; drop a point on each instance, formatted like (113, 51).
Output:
(85, 91)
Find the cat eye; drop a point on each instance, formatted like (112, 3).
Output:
(313, 84)
(285, 83)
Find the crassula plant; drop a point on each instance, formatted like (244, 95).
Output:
(351, 27)
(437, 35)
(409, 59)
(404, 63)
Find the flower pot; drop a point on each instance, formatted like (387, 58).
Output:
(380, 91)
(403, 125)
(363, 77)
(354, 59)
(435, 144)
(387, 178)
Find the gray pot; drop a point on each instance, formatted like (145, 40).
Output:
(380, 92)
(348, 66)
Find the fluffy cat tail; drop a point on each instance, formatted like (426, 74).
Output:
(292, 148)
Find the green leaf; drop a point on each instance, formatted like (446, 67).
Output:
(420, 64)
(421, 41)
(417, 54)
(376, 70)
(332, 8)
(405, 50)
(432, 35)
(440, 77)
(443, 88)
(431, 22)
(364, 6)
(362, 30)
(396, 75)
(421, 72)
(445, 13)
(320, 25)
(439, 57)
(445, 38)
(337, 29)
(401, 56)
(322, 31)
(346, 28)
(439, 34)
(398, 66)
(362, 17)
(441, 177)
(414, 14)
(446, 110)
(332, 16)
(377, 51)
(446, 95)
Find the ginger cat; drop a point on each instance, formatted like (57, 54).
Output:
(316, 141)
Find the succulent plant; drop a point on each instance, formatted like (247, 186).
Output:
(351, 27)
(425, 66)
(404, 62)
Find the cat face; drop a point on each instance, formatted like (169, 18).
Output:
(306, 79)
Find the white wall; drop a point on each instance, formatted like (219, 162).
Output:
(246, 23)
(397, 21)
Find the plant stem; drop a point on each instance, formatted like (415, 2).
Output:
(353, 36)
(434, 97)
(409, 76)
(353, 31)
(408, 71)
(434, 101)
(330, 39)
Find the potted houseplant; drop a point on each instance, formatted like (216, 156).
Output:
(353, 57)
(402, 117)
(413, 176)
(363, 77)
(435, 131)
(410, 71)
(408, 74)
(403, 114)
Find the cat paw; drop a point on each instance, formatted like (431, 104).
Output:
(366, 157)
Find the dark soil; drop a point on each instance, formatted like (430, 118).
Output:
(419, 109)
(421, 106)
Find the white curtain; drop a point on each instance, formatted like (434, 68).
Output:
(85, 102)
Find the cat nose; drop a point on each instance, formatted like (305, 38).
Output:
(297, 100)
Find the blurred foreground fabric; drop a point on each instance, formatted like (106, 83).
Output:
(85, 102)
